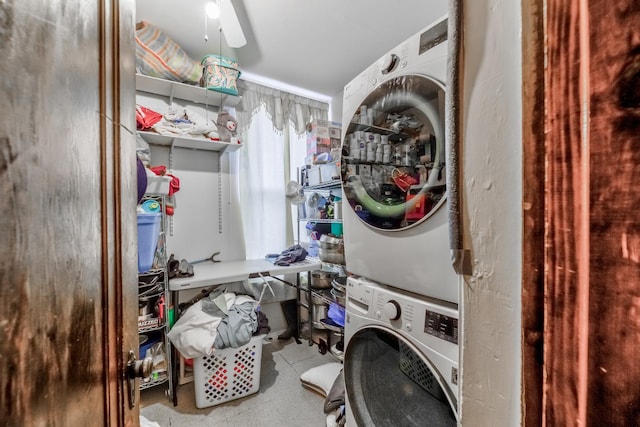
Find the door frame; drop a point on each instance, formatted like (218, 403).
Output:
(533, 211)
(118, 196)
(580, 239)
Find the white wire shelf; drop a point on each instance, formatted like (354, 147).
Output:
(187, 142)
(191, 93)
(324, 185)
(321, 221)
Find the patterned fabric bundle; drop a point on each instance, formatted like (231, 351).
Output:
(159, 56)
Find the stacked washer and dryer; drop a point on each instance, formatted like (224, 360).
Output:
(401, 329)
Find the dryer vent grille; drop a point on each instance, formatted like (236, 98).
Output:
(414, 368)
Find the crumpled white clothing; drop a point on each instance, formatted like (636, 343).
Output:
(195, 331)
(172, 125)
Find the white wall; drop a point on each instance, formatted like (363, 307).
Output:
(492, 170)
(204, 221)
(335, 107)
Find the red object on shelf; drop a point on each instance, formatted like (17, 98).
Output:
(402, 179)
(146, 118)
(417, 211)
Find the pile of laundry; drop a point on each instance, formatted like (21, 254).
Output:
(176, 122)
(185, 122)
(291, 255)
(220, 320)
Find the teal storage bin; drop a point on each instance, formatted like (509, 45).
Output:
(148, 232)
(336, 229)
(220, 74)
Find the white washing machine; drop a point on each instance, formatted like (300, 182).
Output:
(401, 358)
(393, 169)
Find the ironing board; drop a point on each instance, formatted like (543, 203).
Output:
(209, 274)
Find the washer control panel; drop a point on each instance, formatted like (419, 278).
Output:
(441, 326)
(433, 36)
(401, 311)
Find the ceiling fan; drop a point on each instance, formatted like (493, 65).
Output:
(229, 24)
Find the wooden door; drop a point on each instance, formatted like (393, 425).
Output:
(67, 216)
(588, 219)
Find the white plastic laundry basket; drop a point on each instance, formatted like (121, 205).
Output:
(228, 374)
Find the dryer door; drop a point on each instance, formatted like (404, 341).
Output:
(393, 153)
(388, 383)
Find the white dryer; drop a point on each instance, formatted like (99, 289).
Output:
(393, 169)
(401, 358)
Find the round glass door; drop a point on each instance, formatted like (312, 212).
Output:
(393, 154)
(389, 384)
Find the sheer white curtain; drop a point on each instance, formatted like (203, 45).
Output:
(272, 127)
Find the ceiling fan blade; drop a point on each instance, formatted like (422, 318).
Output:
(230, 25)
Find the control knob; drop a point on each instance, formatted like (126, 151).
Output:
(389, 63)
(391, 310)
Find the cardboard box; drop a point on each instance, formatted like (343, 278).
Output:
(325, 128)
(317, 146)
(146, 323)
(158, 184)
(322, 136)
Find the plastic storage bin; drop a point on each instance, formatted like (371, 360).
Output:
(158, 184)
(220, 74)
(148, 232)
(228, 374)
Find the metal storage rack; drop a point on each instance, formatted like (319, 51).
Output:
(325, 189)
(318, 328)
(157, 282)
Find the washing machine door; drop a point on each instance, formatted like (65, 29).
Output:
(389, 383)
(393, 153)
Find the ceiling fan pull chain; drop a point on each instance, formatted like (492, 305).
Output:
(206, 31)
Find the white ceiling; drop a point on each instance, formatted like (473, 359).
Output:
(317, 45)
